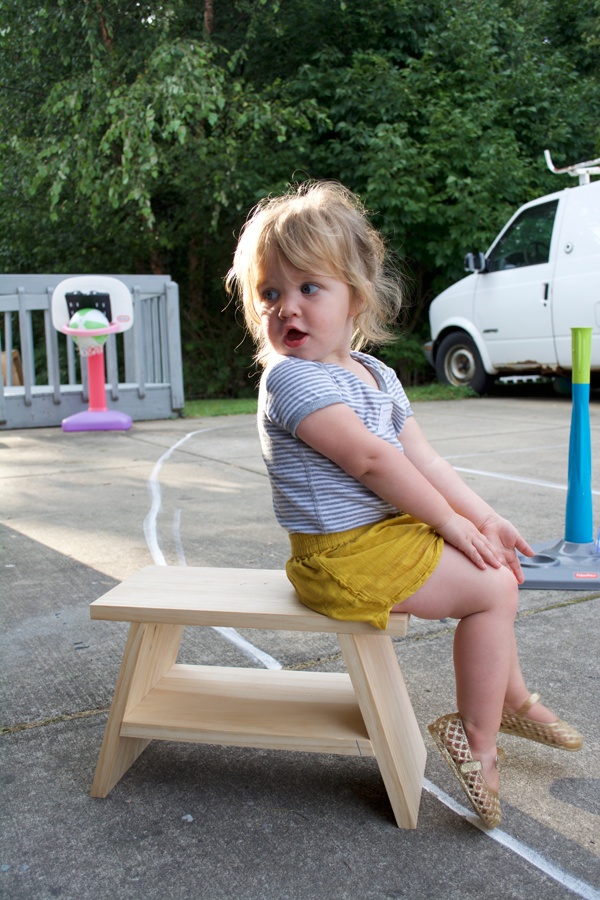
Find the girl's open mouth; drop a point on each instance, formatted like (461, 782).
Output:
(294, 338)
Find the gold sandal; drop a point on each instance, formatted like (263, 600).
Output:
(554, 734)
(449, 734)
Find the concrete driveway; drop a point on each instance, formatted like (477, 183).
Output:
(81, 512)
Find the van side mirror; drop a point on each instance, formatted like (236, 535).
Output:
(475, 262)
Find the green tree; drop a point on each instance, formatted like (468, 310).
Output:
(143, 147)
(137, 136)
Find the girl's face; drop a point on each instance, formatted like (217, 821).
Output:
(306, 315)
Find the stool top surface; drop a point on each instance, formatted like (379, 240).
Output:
(240, 598)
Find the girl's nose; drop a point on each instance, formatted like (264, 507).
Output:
(287, 307)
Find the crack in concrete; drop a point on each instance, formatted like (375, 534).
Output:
(53, 720)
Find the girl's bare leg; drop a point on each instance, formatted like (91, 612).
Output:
(486, 663)
(485, 660)
(517, 693)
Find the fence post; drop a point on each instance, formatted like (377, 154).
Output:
(112, 366)
(139, 338)
(26, 347)
(174, 339)
(52, 351)
(8, 346)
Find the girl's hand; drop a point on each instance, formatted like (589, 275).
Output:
(470, 540)
(506, 540)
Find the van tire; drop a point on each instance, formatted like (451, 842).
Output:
(458, 362)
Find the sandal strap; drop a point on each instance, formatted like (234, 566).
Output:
(533, 698)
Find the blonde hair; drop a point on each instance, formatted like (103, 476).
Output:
(321, 228)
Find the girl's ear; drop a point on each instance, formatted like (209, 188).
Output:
(356, 307)
(357, 304)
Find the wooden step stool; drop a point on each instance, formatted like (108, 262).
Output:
(365, 713)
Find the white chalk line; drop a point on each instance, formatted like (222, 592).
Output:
(576, 885)
(177, 538)
(151, 535)
(230, 634)
(512, 450)
(534, 481)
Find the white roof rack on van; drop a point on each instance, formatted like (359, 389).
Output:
(582, 170)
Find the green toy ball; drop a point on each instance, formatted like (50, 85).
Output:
(90, 319)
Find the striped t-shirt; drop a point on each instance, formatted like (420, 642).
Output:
(311, 494)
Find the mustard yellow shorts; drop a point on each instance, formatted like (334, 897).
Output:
(359, 575)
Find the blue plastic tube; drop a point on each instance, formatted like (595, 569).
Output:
(579, 524)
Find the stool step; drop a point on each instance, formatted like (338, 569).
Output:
(315, 712)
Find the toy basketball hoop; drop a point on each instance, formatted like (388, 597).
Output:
(89, 308)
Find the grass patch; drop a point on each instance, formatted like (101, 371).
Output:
(200, 409)
(203, 409)
(438, 391)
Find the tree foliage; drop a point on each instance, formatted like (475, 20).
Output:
(136, 136)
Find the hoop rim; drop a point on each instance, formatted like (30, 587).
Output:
(91, 332)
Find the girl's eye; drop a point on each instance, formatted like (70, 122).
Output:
(309, 288)
(270, 295)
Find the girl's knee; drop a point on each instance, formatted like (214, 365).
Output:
(506, 592)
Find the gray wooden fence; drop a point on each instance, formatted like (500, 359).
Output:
(44, 380)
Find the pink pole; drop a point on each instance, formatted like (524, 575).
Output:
(96, 382)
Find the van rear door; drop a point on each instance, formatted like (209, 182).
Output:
(512, 298)
(576, 291)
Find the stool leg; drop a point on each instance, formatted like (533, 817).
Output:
(390, 720)
(150, 651)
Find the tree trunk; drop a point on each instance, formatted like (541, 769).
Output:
(208, 16)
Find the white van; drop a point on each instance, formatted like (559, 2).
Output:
(540, 278)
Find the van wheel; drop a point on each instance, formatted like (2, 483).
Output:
(458, 362)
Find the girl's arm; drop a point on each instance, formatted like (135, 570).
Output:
(338, 433)
(442, 475)
(503, 535)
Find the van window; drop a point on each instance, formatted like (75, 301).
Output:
(527, 241)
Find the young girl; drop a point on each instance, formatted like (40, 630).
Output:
(378, 521)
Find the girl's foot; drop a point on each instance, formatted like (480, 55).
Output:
(450, 737)
(490, 757)
(536, 723)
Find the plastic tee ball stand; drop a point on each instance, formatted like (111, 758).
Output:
(572, 563)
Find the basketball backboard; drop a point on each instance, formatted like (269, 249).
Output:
(102, 292)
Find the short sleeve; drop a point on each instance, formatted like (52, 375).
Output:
(401, 405)
(294, 388)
